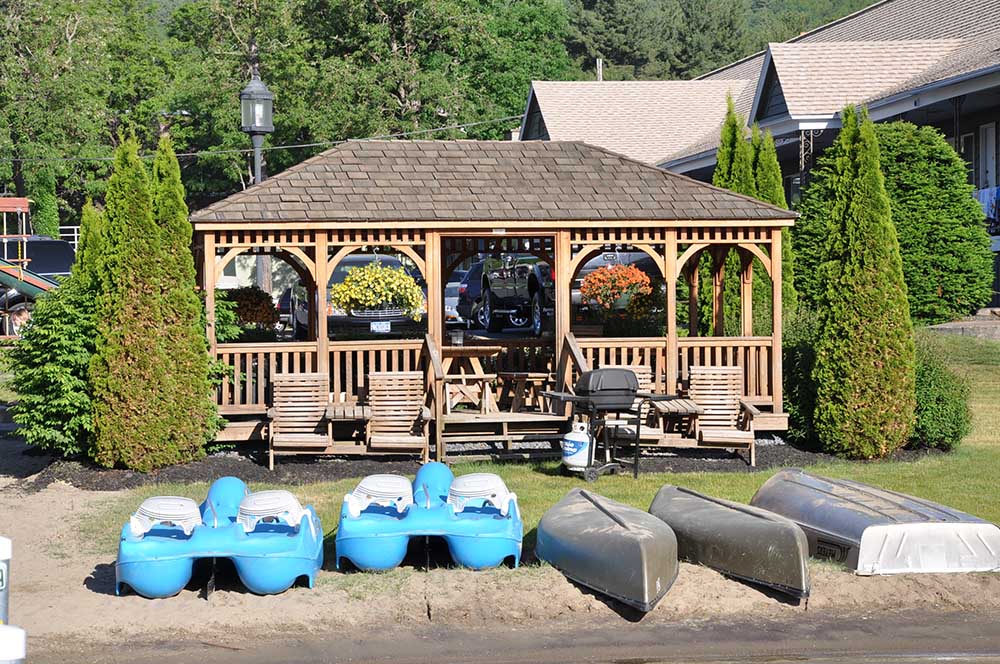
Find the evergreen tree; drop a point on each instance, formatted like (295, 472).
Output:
(51, 361)
(45, 215)
(188, 390)
(864, 367)
(730, 135)
(632, 37)
(943, 242)
(130, 368)
(713, 33)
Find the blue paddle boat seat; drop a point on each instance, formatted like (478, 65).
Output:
(272, 540)
(475, 514)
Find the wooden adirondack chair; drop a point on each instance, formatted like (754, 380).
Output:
(727, 420)
(299, 423)
(398, 417)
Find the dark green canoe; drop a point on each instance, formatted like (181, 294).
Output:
(744, 542)
(615, 549)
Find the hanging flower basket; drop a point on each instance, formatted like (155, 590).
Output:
(378, 287)
(606, 286)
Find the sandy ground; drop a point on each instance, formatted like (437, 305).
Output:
(60, 589)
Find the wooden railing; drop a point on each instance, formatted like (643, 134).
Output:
(645, 351)
(246, 382)
(350, 362)
(754, 354)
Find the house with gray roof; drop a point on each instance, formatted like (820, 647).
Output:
(930, 62)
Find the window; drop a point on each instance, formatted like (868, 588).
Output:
(968, 151)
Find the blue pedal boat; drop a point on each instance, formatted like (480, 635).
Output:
(475, 514)
(272, 540)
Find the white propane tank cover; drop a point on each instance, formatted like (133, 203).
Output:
(5, 548)
(13, 644)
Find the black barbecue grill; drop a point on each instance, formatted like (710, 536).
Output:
(603, 395)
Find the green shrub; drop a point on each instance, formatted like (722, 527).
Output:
(798, 359)
(943, 415)
(45, 212)
(253, 307)
(227, 324)
(864, 370)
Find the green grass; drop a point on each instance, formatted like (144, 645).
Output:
(965, 479)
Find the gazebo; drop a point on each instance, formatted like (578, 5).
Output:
(438, 203)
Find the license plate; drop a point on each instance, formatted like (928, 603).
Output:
(381, 326)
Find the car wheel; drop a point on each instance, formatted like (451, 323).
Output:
(493, 324)
(537, 315)
(518, 320)
(480, 317)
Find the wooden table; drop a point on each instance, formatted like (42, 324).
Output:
(678, 406)
(471, 383)
(524, 388)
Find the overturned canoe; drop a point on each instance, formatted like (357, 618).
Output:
(875, 531)
(615, 549)
(744, 542)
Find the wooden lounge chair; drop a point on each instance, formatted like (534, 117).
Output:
(299, 423)
(398, 417)
(726, 420)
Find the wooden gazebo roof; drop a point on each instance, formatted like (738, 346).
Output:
(488, 181)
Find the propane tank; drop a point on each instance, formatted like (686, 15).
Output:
(576, 447)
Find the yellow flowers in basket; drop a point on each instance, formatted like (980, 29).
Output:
(377, 286)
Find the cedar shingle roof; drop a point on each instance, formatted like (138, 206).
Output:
(641, 119)
(509, 181)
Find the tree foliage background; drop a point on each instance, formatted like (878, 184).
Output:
(76, 73)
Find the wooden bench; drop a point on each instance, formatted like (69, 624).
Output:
(727, 419)
(398, 416)
(299, 421)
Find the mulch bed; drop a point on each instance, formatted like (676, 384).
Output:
(35, 470)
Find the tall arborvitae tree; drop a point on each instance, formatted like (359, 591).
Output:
(45, 211)
(864, 370)
(130, 368)
(51, 362)
(192, 410)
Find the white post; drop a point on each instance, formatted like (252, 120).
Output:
(13, 645)
(5, 551)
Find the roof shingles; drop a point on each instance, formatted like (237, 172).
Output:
(370, 181)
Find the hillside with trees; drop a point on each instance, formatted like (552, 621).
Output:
(75, 76)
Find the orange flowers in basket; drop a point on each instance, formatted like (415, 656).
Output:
(607, 285)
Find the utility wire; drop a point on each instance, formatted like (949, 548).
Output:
(297, 146)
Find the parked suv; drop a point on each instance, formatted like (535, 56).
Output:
(516, 286)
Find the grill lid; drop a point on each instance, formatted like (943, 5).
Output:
(607, 381)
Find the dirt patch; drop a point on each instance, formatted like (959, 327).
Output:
(59, 588)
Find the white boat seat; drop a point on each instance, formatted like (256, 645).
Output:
(480, 486)
(165, 510)
(269, 507)
(384, 490)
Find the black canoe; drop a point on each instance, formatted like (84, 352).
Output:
(744, 542)
(615, 549)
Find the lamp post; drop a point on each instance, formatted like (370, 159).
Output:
(257, 106)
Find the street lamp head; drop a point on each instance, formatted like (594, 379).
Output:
(256, 103)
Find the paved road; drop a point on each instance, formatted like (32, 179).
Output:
(899, 639)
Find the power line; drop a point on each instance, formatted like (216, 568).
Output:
(297, 146)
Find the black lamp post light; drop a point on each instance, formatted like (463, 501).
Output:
(257, 106)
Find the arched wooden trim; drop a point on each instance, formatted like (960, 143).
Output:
(658, 258)
(349, 249)
(760, 255)
(303, 270)
(577, 261)
(453, 265)
(690, 252)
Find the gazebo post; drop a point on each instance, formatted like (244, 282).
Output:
(320, 278)
(670, 279)
(693, 277)
(209, 279)
(563, 259)
(435, 288)
(718, 281)
(776, 322)
(746, 293)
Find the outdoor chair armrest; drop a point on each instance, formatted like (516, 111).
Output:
(270, 413)
(750, 409)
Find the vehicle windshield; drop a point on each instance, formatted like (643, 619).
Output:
(451, 291)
